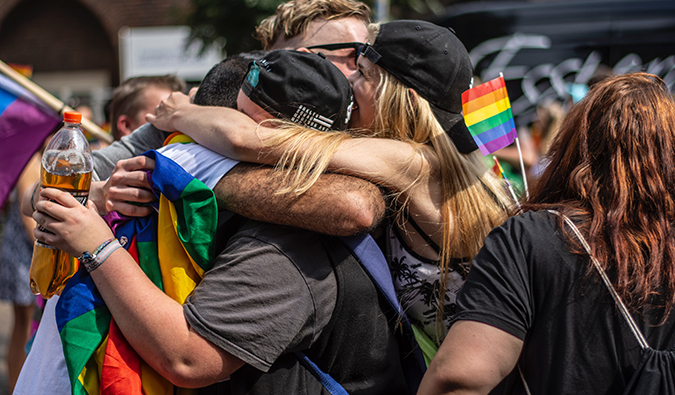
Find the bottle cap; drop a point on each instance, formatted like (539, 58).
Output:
(72, 117)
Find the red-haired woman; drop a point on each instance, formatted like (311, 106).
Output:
(535, 303)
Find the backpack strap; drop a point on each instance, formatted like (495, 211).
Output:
(329, 383)
(605, 279)
(371, 259)
(369, 254)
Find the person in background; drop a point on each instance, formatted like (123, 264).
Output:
(536, 308)
(136, 97)
(16, 251)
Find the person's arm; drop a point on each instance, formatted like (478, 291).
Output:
(152, 322)
(473, 359)
(392, 164)
(338, 205)
(26, 182)
(127, 183)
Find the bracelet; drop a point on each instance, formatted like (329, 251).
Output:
(92, 261)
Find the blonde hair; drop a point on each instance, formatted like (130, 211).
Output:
(293, 17)
(473, 199)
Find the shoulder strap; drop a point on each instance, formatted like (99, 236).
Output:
(425, 236)
(329, 383)
(369, 255)
(622, 307)
(372, 260)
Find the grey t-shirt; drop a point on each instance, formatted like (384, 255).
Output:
(145, 138)
(270, 292)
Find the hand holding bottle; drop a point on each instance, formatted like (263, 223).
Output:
(67, 225)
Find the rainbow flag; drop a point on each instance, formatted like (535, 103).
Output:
(25, 122)
(487, 114)
(174, 247)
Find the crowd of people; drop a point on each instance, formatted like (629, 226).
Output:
(361, 244)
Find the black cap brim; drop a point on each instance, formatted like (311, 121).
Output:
(454, 126)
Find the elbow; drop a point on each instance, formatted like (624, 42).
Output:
(438, 381)
(185, 375)
(364, 211)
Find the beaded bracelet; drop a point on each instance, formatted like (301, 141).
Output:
(92, 261)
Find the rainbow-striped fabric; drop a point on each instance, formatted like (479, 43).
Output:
(25, 122)
(487, 114)
(174, 247)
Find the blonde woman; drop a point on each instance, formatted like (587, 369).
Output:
(408, 136)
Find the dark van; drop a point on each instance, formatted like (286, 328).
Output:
(546, 48)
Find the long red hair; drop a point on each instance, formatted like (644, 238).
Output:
(612, 169)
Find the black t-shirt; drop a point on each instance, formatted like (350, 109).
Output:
(273, 291)
(526, 282)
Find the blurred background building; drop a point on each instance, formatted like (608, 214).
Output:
(549, 51)
(72, 46)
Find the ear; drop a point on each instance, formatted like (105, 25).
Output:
(413, 96)
(303, 49)
(123, 125)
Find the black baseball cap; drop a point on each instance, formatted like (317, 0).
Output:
(302, 87)
(434, 62)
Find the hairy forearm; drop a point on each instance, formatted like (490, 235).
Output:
(337, 204)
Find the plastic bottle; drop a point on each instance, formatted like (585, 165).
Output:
(67, 165)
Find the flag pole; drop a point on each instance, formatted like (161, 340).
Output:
(520, 157)
(52, 102)
(508, 184)
(522, 168)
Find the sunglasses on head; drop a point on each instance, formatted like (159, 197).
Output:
(358, 47)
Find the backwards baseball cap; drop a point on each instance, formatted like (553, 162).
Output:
(431, 60)
(302, 87)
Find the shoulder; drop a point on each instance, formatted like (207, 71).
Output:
(530, 230)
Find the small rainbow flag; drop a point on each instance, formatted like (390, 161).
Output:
(487, 114)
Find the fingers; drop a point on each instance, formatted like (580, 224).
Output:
(132, 172)
(192, 94)
(124, 178)
(128, 209)
(136, 163)
(68, 225)
(50, 195)
(166, 108)
(128, 189)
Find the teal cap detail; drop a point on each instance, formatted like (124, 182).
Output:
(253, 74)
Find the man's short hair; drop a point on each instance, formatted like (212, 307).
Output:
(127, 99)
(220, 87)
(293, 17)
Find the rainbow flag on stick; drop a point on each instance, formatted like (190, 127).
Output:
(487, 114)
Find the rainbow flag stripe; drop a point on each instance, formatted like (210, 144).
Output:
(487, 114)
(174, 247)
(25, 122)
